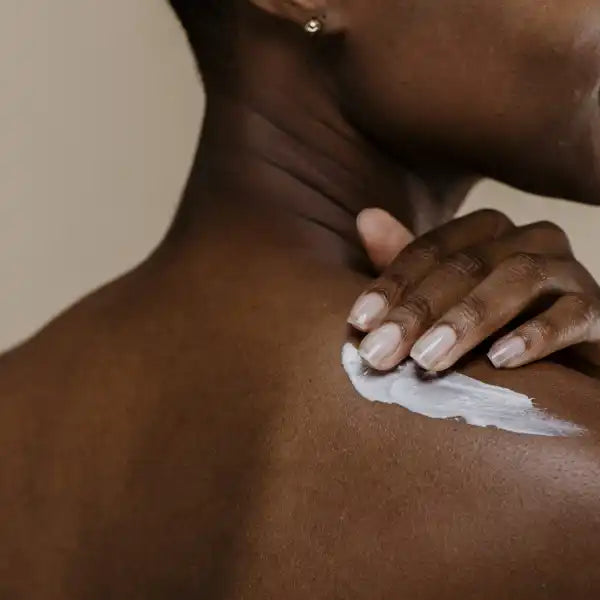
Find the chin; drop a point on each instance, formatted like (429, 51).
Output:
(574, 175)
(556, 162)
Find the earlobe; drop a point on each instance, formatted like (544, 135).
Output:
(315, 16)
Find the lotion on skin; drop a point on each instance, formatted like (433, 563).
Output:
(453, 396)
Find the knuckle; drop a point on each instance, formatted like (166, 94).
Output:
(594, 303)
(582, 308)
(472, 312)
(407, 320)
(580, 317)
(582, 276)
(578, 302)
(396, 281)
(569, 320)
(541, 329)
(524, 265)
(427, 251)
(391, 285)
(547, 234)
(499, 220)
(465, 264)
(551, 228)
(418, 308)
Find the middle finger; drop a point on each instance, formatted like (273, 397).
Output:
(446, 285)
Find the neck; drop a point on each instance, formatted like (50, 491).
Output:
(285, 151)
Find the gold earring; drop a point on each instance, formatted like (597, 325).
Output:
(313, 26)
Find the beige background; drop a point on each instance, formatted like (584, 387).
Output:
(99, 115)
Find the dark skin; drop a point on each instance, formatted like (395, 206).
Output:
(451, 289)
(188, 432)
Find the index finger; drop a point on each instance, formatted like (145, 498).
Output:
(421, 256)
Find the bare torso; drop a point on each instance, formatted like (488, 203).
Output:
(188, 432)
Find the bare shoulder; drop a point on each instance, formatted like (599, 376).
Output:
(134, 425)
(191, 425)
(393, 500)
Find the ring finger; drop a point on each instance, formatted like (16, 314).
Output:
(510, 289)
(444, 287)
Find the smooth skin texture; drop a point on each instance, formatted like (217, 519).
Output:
(159, 440)
(188, 431)
(451, 289)
(505, 89)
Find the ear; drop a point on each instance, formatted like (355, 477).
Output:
(328, 12)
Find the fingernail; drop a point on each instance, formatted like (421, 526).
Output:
(367, 309)
(504, 351)
(380, 344)
(432, 347)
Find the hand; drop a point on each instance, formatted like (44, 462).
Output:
(449, 290)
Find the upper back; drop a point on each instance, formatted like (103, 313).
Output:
(189, 430)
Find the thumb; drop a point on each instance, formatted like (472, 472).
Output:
(382, 235)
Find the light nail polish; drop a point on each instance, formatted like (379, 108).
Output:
(505, 351)
(367, 310)
(380, 344)
(433, 346)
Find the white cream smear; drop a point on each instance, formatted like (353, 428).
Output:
(453, 396)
